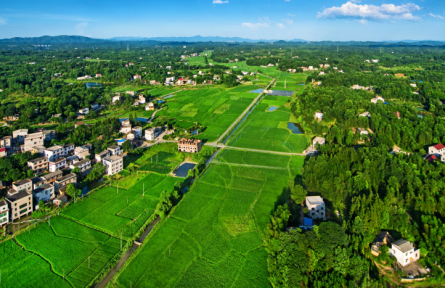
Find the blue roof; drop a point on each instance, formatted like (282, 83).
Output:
(307, 221)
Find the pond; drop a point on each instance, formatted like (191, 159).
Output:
(161, 101)
(140, 119)
(183, 170)
(195, 132)
(272, 108)
(257, 91)
(295, 128)
(93, 85)
(168, 96)
(301, 84)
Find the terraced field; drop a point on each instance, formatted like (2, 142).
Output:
(214, 238)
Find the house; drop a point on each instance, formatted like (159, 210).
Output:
(45, 193)
(437, 151)
(83, 165)
(245, 73)
(84, 77)
(95, 106)
(51, 177)
(100, 156)
(137, 131)
(240, 77)
(384, 238)
(115, 99)
(4, 213)
(114, 164)
(18, 136)
(363, 131)
(413, 85)
(316, 207)
(152, 82)
(152, 133)
(19, 203)
(33, 139)
(375, 61)
(98, 75)
(131, 93)
(84, 111)
(141, 99)
(115, 150)
(135, 77)
(21, 185)
(57, 164)
(60, 200)
(130, 136)
(131, 64)
(38, 165)
(376, 99)
(5, 142)
(318, 115)
(65, 180)
(189, 145)
(365, 114)
(49, 134)
(150, 107)
(68, 149)
(136, 103)
(125, 129)
(126, 122)
(3, 152)
(404, 251)
(319, 140)
(397, 113)
(216, 78)
(168, 67)
(321, 73)
(431, 158)
(78, 124)
(54, 152)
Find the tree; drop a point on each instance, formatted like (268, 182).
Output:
(41, 204)
(297, 193)
(127, 146)
(72, 191)
(76, 170)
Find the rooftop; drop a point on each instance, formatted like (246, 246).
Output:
(66, 177)
(113, 147)
(2, 203)
(17, 196)
(54, 174)
(102, 153)
(38, 159)
(54, 148)
(314, 200)
(113, 158)
(403, 245)
(21, 182)
(43, 188)
(439, 146)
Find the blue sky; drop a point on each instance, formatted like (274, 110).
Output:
(358, 20)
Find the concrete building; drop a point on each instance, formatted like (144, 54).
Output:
(60, 200)
(319, 140)
(38, 165)
(365, 114)
(52, 177)
(377, 99)
(64, 181)
(189, 145)
(316, 207)
(18, 136)
(363, 131)
(80, 150)
(113, 164)
(404, 251)
(137, 131)
(21, 185)
(116, 99)
(152, 133)
(4, 213)
(45, 193)
(32, 140)
(3, 152)
(68, 149)
(57, 164)
(100, 156)
(125, 129)
(49, 134)
(83, 165)
(5, 142)
(318, 115)
(115, 150)
(54, 153)
(150, 106)
(20, 204)
(438, 151)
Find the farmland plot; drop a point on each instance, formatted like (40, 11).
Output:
(214, 237)
(264, 130)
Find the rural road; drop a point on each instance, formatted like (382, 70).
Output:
(248, 165)
(212, 144)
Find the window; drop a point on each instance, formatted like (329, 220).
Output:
(321, 208)
(406, 260)
(313, 214)
(321, 213)
(406, 254)
(23, 211)
(313, 209)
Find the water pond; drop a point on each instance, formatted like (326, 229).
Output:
(272, 108)
(93, 85)
(140, 119)
(257, 91)
(168, 96)
(183, 170)
(295, 128)
(161, 101)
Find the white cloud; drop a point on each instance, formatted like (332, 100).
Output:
(81, 27)
(435, 16)
(372, 12)
(263, 23)
(220, 2)
(290, 15)
(280, 25)
(288, 21)
(363, 22)
(2, 21)
(286, 0)
(356, 1)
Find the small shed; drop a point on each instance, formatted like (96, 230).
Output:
(60, 200)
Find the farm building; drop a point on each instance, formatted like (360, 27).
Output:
(189, 145)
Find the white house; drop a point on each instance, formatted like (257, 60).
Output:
(137, 131)
(84, 111)
(363, 131)
(82, 165)
(55, 152)
(437, 150)
(125, 129)
(376, 99)
(57, 164)
(319, 140)
(318, 115)
(316, 207)
(404, 251)
(19, 135)
(4, 213)
(365, 114)
(375, 61)
(413, 85)
(100, 156)
(141, 99)
(321, 73)
(115, 150)
(68, 149)
(135, 77)
(115, 99)
(45, 193)
(152, 133)
(113, 164)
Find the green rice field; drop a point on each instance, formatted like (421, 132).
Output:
(214, 237)
(214, 108)
(268, 130)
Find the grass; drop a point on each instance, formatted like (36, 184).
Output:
(265, 130)
(214, 237)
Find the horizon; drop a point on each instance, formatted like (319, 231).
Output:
(353, 20)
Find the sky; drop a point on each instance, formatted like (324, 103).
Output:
(316, 20)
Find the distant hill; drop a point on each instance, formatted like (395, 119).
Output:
(52, 40)
(198, 39)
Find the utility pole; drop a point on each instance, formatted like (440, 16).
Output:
(117, 188)
(88, 262)
(143, 189)
(121, 241)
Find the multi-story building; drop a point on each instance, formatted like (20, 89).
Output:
(152, 133)
(137, 131)
(316, 207)
(58, 164)
(21, 185)
(45, 193)
(32, 140)
(4, 213)
(49, 134)
(189, 145)
(100, 156)
(68, 149)
(52, 177)
(115, 150)
(82, 165)
(404, 251)
(84, 111)
(18, 136)
(54, 153)
(38, 149)
(3, 152)
(64, 181)
(5, 142)
(125, 129)
(38, 165)
(114, 164)
(20, 204)
(126, 123)
(81, 152)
